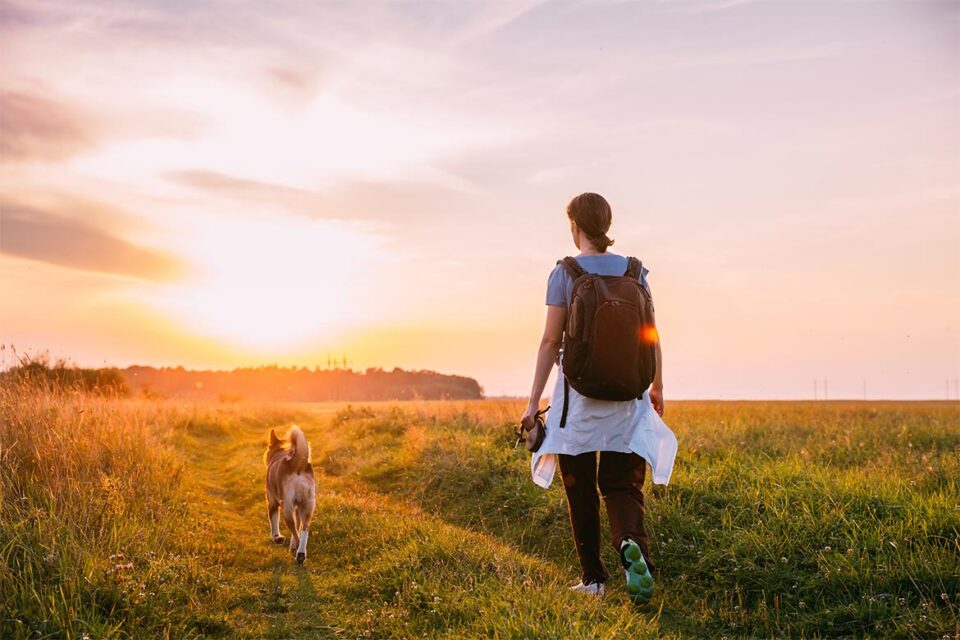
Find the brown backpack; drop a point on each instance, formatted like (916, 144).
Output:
(609, 349)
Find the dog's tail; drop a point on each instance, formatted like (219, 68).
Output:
(299, 454)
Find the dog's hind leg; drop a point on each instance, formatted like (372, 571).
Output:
(305, 514)
(273, 514)
(289, 520)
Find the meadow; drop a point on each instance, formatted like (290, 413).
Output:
(135, 518)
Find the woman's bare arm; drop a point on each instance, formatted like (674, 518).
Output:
(656, 389)
(546, 355)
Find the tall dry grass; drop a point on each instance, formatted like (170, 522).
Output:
(101, 532)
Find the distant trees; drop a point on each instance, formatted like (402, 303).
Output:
(37, 372)
(291, 384)
(268, 383)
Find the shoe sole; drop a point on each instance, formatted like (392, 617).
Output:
(639, 580)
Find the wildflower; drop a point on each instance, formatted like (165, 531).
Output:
(803, 605)
(944, 597)
(827, 549)
(902, 601)
(783, 560)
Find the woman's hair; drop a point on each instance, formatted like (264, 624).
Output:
(592, 214)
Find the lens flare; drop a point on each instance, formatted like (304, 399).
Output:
(649, 334)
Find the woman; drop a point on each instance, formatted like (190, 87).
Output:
(627, 434)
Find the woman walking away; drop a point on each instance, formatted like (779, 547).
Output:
(605, 423)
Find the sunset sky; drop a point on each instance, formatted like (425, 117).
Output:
(225, 183)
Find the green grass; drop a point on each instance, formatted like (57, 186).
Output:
(782, 520)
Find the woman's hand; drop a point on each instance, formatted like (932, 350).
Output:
(656, 399)
(530, 414)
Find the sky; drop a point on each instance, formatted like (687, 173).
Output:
(230, 183)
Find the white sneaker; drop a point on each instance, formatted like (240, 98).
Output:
(594, 589)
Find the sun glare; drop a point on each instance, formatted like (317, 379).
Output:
(269, 283)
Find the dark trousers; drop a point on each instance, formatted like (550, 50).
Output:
(620, 477)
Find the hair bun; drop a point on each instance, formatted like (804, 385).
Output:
(601, 242)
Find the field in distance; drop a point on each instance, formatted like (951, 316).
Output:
(145, 519)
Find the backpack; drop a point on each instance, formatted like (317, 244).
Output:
(609, 349)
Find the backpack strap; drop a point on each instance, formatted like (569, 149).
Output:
(572, 267)
(634, 268)
(566, 402)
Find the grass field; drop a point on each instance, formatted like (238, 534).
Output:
(145, 519)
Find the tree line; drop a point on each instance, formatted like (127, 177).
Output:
(293, 384)
(266, 383)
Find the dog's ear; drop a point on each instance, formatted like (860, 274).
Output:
(274, 440)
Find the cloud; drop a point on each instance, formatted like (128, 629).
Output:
(38, 128)
(35, 127)
(236, 187)
(358, 200)
(30, 233)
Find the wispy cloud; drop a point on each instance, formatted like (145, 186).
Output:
(234, 187)
(372, 201)
(30, 233)
(38, 127)
(32, 127)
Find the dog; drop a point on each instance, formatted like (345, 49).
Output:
(290, 486)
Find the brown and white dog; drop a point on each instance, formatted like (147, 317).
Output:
(290, 484)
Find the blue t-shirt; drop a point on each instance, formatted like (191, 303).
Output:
(560, 284)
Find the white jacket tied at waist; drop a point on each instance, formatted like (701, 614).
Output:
(603, 425)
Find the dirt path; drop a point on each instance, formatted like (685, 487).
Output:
(266, 593)
(375, 567)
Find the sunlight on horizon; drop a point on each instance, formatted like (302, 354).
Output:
(269, 283)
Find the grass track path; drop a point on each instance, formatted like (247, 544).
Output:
(376, 567)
